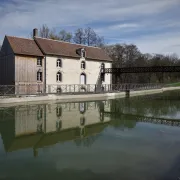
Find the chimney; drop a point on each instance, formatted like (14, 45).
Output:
(35, 32)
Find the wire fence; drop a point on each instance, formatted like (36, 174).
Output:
(40, 89)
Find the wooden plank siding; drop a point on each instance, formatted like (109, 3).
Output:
(20, 71)
(7, 68)
(27, 119)
(26, 74)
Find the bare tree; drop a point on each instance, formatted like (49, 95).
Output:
(53, 35)
(65, 36)
(124, 55)
(79, 36)
(100, 42)
(116, 52)
(44, 31)
(90, 36)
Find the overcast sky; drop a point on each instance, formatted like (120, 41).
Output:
(153, 25)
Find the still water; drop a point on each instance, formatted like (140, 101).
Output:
(137, 138)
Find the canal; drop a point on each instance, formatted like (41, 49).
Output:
(136, 138)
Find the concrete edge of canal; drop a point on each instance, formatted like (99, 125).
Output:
(6, 102)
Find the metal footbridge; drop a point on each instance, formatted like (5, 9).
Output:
(146, 119)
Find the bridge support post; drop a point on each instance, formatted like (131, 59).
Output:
(127, 92)
(118, 78)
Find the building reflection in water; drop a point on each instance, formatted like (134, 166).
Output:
(38, 126)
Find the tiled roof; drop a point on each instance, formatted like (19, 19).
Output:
(24, 46)
(54, 47)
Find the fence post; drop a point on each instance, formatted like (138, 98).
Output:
(17, 89)
(70, 88)
(88, 88)
(26, 88)
(49, 89)
(66, 88)
(39, 88)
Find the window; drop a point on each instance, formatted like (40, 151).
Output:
(59, 111)
(101, 116)
(39, 62)
(59, 77)
(83, 53)
(58, 125)
(83, 78)
(82, 107)
(39, 76)
(39, 114)
(83, 65)
(82, 121)
(102, 75)
(59, 63)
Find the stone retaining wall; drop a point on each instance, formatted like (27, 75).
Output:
(75, 98)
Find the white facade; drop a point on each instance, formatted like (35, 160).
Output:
(47, 118)
(73, 115)
(73, 73)
(49, 65)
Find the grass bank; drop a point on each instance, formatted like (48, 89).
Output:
(173, 84)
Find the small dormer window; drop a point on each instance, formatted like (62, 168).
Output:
(102, 66)
(83, 53)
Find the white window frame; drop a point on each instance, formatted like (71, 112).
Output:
(39, 76)
(59, 76)
(40, 114)
(82, 107)
(59, 111)
(83, 65)
(59, 63)
(83, 53)
(102, 65)
(83, 78)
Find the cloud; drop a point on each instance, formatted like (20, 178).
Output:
(114, 19)
(166, 43)
(123, 26)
